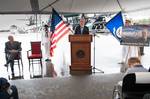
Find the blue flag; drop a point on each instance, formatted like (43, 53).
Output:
(115, 25)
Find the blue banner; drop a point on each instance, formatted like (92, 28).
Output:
(115, 25)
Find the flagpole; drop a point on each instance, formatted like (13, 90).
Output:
(120, 5)
(36, 26)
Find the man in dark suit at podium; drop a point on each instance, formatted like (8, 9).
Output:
(81, 28)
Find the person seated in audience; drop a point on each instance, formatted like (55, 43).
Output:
(7, 91)
(11, 49)
(134, 65)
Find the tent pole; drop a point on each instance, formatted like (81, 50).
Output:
(50, 5)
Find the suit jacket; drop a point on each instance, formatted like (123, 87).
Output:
(78, 30)
(14, 46)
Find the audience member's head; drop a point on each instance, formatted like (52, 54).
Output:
(4, 84)
(10, 38)
(7, 91)
(133, 61)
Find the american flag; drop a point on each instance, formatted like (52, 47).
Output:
(58, 30)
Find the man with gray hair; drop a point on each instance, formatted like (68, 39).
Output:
(12, 49)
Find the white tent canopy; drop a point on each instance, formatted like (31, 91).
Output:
(141, 7)
(72, 6)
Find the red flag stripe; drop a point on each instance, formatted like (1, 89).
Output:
(59, 25)
(53, 47)
(53, 35)
(62, 31)
(53, 42)
(65, 32)
(52, 50)
(59, 31)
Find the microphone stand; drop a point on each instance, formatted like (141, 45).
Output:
(94, 68)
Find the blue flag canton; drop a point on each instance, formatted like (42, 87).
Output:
(56, 19)
(115, 25)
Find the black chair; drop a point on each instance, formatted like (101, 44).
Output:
(134, 86)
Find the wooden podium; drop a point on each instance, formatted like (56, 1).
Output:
(80, 53)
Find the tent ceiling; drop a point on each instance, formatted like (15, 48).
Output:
(71, 6)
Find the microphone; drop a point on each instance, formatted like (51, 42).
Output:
(94, 33)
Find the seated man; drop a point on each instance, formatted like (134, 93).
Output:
(12, 49)
(7, 91)
(134, 65)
